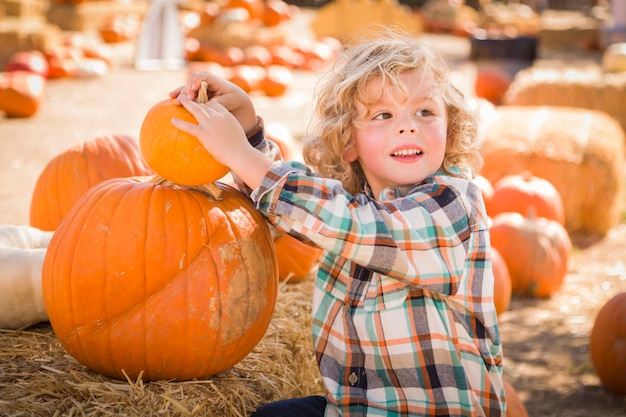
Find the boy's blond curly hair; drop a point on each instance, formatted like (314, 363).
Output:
(383, 57)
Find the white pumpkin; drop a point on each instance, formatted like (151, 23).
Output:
(22, 251)
(614, 57)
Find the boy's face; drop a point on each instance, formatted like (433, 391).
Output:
(402, 139)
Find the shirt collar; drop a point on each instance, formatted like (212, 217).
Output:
(391, 193)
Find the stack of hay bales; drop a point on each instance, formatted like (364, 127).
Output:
(580, 151)
(23, 27)
(587, 87)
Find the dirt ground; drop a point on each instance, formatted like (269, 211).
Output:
(546, 341)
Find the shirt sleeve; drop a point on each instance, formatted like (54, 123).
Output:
(423, 237)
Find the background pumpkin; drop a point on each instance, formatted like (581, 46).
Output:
(526, 193)
(536, 252)
(22, 251)
(71, 173)
(502, 282)
(295, 259)
(514, 405)
(606, 344)
(21, 93)
(174, 154)
(160, 280)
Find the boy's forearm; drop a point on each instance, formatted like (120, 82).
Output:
(250, 166)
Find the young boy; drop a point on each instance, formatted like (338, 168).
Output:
(403, 315)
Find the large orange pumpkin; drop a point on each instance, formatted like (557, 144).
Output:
(174, 154)
(160, 281)
(525, 193)
(71, 173)
(295, 259)
(536, 251)
(607, 344)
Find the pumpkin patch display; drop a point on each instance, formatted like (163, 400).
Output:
(536, 252)
(71, 173)
(147, 278)
(22, 252)
(174, 154)
(606, 344)
(525, 193)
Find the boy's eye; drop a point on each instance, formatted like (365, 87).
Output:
(424, 112)
(382, 116)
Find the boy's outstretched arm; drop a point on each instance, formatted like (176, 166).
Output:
(224, 137)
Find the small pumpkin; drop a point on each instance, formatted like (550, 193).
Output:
(536, 252)
(276, 80)
(492, 83)
(22, 252)
(502, 282)
(174, 154)
(295, 258)
(247, 77)
(276, 12)
(526, 194)
(21, 93)
(514, 405)
(71, 173)
(607, 348)
(147, 278)
(33, 61)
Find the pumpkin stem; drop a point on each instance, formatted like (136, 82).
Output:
(203, 93)
(211, 189)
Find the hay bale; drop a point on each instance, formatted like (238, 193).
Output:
(90, 16)
(580, 151)
(18, 35)
(586, 87)
(24, 8)
(38, 378)
(569, 30)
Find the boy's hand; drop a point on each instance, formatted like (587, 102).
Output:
(223, 137)
(221, 91)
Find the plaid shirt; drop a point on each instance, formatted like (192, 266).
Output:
(403, 317)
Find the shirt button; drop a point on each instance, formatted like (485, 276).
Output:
(353, 378)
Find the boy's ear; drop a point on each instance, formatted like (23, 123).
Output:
(349, 154)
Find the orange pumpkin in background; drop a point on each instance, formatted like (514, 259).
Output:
(21, 93)
(174, 154)
(158, 281)
(502, 282)
(536, 251)
(514, 405)
(492, 84)
(276, 81)
(32, 61)
(71, 173)
(295, 258)
(528, 195)
(607, 348)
